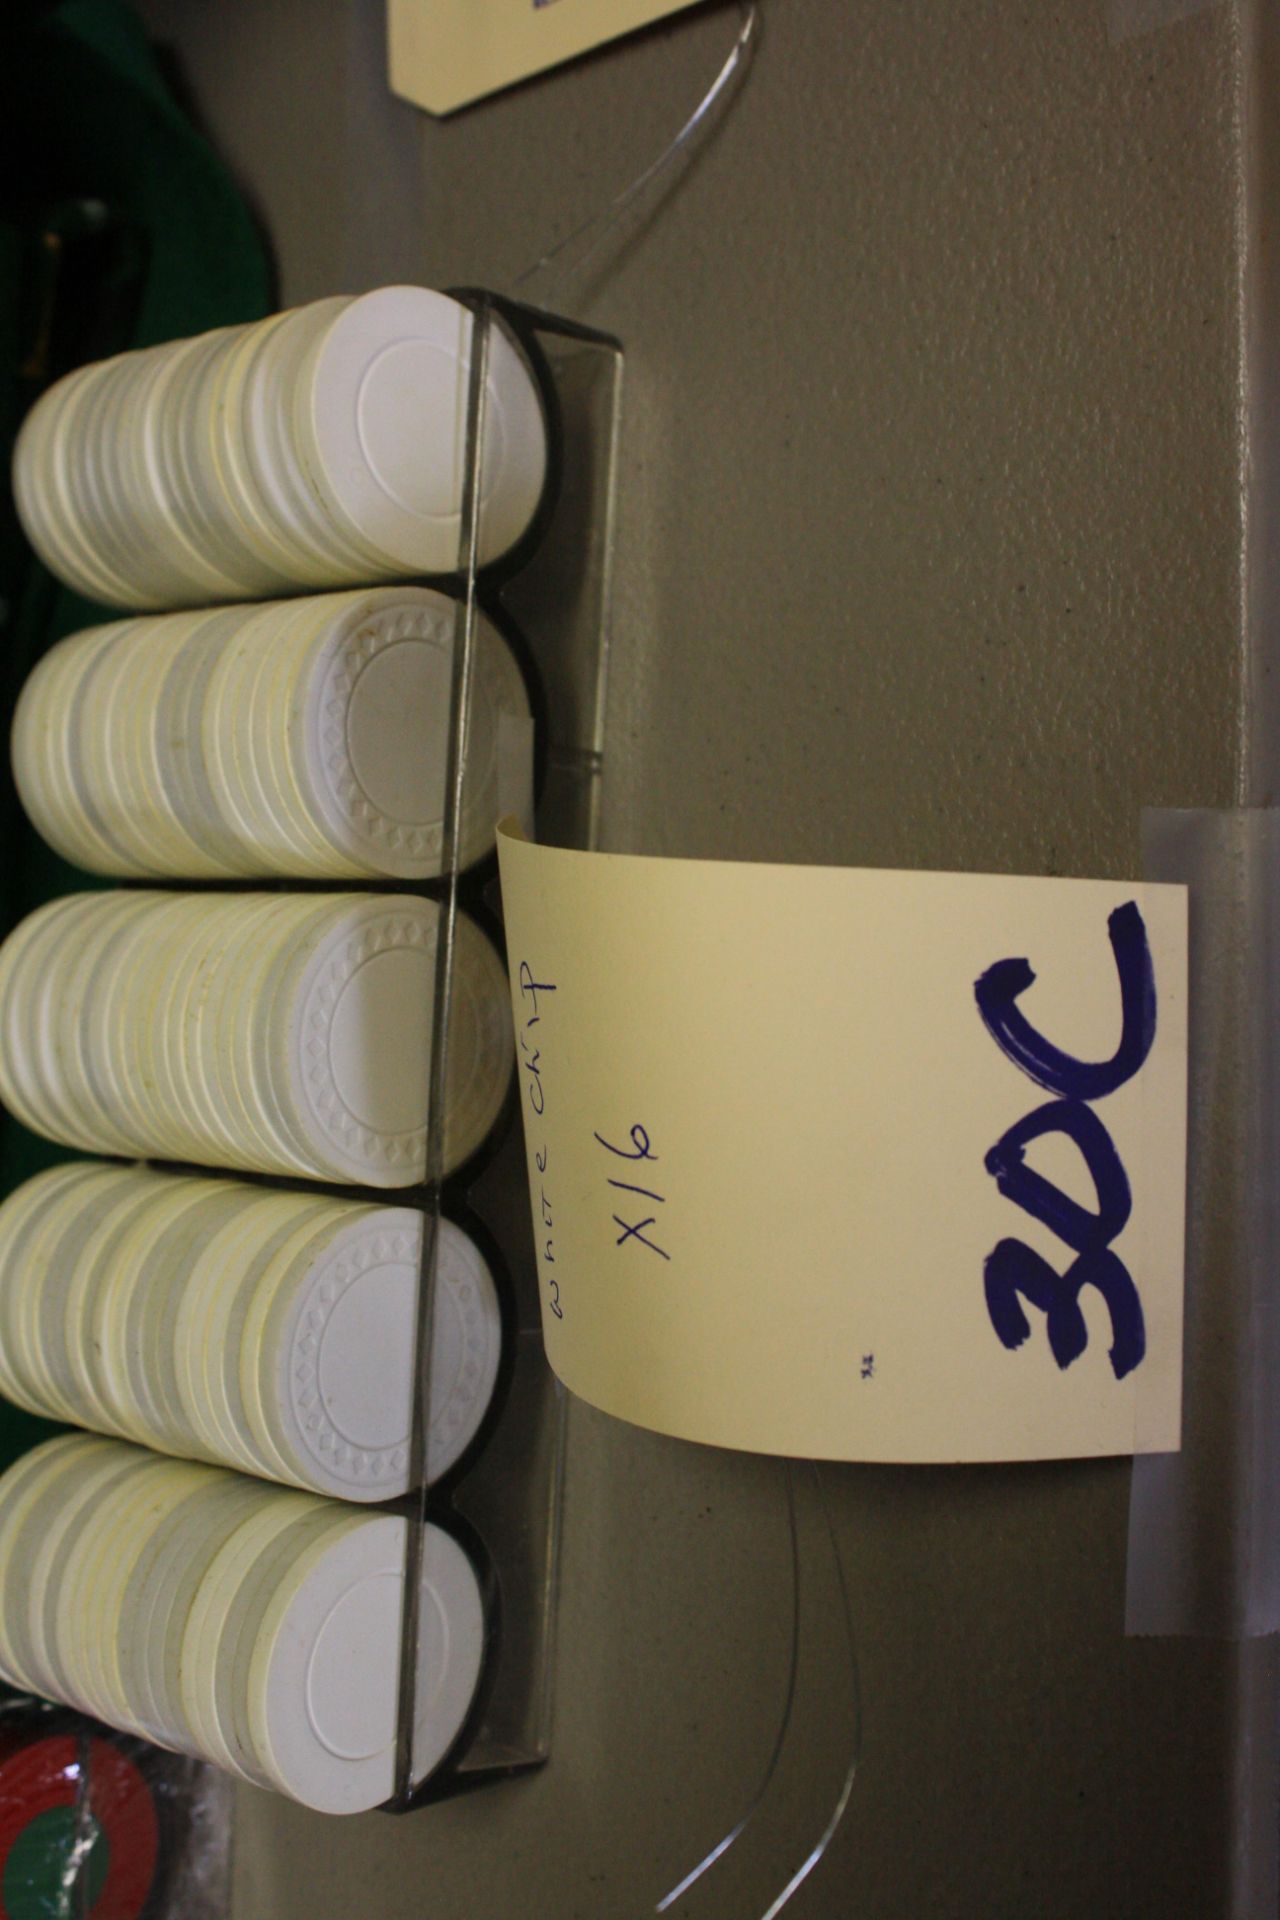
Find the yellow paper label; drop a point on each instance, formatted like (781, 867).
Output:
(855, 1164)
(444, 53)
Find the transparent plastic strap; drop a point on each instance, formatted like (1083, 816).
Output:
(821, 1708)
(544, 279)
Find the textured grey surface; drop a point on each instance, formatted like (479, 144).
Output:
(930, 554)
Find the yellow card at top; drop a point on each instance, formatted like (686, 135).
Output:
(445, 53)
(855, 1164)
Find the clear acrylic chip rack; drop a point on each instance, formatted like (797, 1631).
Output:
(550, 599)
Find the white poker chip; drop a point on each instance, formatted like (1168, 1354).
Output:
(358, 1014)
(380, 413)
(324, 1678)
(335, 1356)
(370, 745)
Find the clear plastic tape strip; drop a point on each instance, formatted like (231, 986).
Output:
(1204, 1523)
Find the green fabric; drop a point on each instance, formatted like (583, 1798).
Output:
(118, 228)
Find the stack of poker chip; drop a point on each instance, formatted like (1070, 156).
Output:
(306, 738)
(248, 1625)
(285, 1033)
(216, 1336)
(264, 1330)
(323, 447)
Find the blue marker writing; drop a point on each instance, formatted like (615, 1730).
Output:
(1014, 1272)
